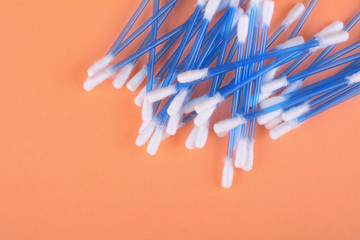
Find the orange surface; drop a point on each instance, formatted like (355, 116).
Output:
(69, 168)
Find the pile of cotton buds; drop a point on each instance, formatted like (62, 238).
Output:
(202, 50)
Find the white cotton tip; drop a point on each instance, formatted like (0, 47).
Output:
(160, 93)
(223, 4)
(294, 14)
(274, 85)
(269, 76)
(239, 11)
(139, 99)
(202, 136)
(334, 27)
(249, 156)
(267, 12)
(100, 65)
(173, 124)
(292, 87)
(273, 123)
(202, 2)
(243, 28)
(122, 76)
(228, 173)
(146, 124)
(190, 106)
(209, 103)
(203, 118)
(145, 134)
(91, 82)
(355, 78)
(253, 3)
(295, 112)
(211, 9)
(155, 141)
(334, 38)
(190, 141)
(147, 111)
(241, 152)
(193, 75)
(272, 101)
(262, 120)
(293, 42)
(234, 3)
(283, 129)
(137, 79)
(227, 125)
(177, 103)
(264, 96)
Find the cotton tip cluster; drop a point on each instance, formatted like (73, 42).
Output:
(355, 78)
(211, 9)
(145, 134)
(202, 136)
(283, 129)
(161, 93)
(243, 28)
(100, 65)
(228, 173)
(234, 3)
(190, 141)
(226, 125)
(241, 152)
(138, 79)
(292, 87)
(295, 112)
(239, 11)
(191, 76)
(272, 101)
(274, 85)
(203, 118)
(264, 119)
(293, 42)
(91, 82)
(267, 12)
(139, 99)
(269, 76)
(203, 2)
(122, 76)
(264, 95)
(293, 15)
(273, 123)
(190, 106)
(177, 103)
(155, 141)
(173, 124)
(209, 103)
(334, 27)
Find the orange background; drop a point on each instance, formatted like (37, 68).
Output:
(69, 167)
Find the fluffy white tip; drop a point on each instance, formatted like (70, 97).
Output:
(145, 134)
(234, 3)
(155, 141)
(147, 111)
(202, 2)
(264, 96)
(249, 156)
(283, 129)
(334, 27)
(209, 103)
(272, 101)
(228, 124)
(137, 79)
(334, 38)
(241, 152)
(203, 118)
(160, 93)
(243, 28)
(295, 112)
(91, 82)
(292, 87)
(211, 9)
(355, 78)
(177, 103)
(173, 124)
(238, 13)
(191, 76)
(262, 120)
(190, 141)
(100, 65)
(228, 173)
(145, 125)
(267, 12)
(190, 106)
(269, 76)
(294, 14)
(274, 85)
(122, 76)
(293, 42)
(273, 123)
(202, 136)
(139, 99)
